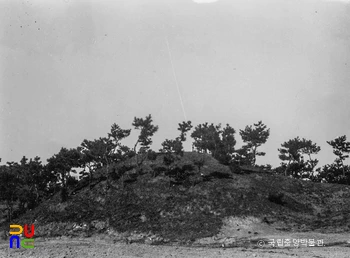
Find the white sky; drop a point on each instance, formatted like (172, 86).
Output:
(69, 69)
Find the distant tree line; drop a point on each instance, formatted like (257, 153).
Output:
(27, 183)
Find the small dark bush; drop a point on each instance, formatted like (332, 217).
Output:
(158, 170)
(114, 175)
(72, 181)
(236, 169)
(152, 155)
(119, 171)
(64, 194)
(131, 154)
(199, 162)
(168, 159)
(180, 174)
(276, 198)
(188, 167)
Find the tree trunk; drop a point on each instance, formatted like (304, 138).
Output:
(136, 156)
(107, 174)
(64, 187)
(90, 175)
(285, 172)
(9, 211)
(254, 156)
(37, 195)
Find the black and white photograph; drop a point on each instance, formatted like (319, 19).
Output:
(174, 128)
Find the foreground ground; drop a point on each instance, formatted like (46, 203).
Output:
(336, 245)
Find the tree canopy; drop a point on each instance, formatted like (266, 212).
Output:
(292, 152)
(216, 140)
(253, 137)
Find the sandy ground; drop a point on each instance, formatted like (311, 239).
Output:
(239, 237)
(90, 247)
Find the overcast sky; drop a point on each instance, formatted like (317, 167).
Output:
(70, 69)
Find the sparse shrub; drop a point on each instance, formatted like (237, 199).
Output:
(280, 170)
(172, 146)
(152, 155)
(180, 174)
(130, 154)
(114, 174)
(64, 194)
(199, 162)
(333, 174)
(72, 181)
(119, 171)
(188, 167)
(158, 170)
(168, 159)
(276, 198)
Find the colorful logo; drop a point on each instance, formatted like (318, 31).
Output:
(27, 242)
